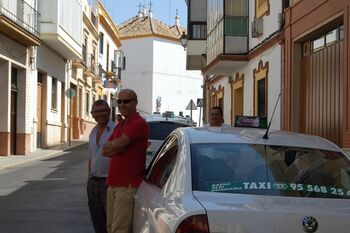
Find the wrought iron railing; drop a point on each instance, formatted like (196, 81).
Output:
(21, 13)
(90, 63)
(100, 71)
(84, 54)
(94, 20)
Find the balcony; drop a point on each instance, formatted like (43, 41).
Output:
(94, 20)
(62, 29)
(113, 73)
(98, 77)
(91, 65)
(196, 46)
(81, 63)
(227, 40)
(197, 34)
(19, 20)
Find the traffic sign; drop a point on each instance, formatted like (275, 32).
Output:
(191, 105)
(200, 103)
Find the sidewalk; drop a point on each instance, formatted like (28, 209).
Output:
(13, 160)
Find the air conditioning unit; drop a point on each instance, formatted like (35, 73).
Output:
(257, 27)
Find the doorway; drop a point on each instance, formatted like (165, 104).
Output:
(13, 110)
(321, 96)
(39, 112)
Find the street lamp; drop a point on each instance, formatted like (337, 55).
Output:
(183, 39)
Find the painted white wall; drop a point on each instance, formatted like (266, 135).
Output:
(223, 82)
(270, 22)
(273, 56)
(62, 18)
(138, 73)
(50, 62)
(172, 82)
(102, 58)
(34, 93)
(25, 102)
(107, 39)
(53, 65)
(157, 68)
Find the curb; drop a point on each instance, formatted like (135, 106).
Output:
(20, 161)
(15, 160)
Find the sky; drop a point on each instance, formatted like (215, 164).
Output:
(164, 10)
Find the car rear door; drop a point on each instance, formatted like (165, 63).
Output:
(149, 203)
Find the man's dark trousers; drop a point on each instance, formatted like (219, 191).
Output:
(97, 197)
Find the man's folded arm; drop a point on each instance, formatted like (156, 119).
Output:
(115, 146)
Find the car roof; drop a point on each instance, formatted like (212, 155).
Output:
(255, 136)
(160, 118)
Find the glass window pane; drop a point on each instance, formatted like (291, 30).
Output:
(331, 37)
(163, 165)
(239, 168)
(318, 43)
(160, 130)
(236, 26)
(236, 8)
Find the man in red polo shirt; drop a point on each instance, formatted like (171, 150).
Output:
(127, 148)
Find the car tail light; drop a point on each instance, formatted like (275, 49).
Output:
(194, 224)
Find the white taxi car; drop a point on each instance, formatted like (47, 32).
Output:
(203, 181)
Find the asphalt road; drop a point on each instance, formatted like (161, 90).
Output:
(46, 196)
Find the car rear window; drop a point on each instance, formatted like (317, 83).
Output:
(270, 170)
(159, 130)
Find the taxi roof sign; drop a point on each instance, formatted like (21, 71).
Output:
(251, 122)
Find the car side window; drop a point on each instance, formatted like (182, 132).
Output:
(164, 164)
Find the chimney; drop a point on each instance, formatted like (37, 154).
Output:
(144, 11)
(177, 19)
(140, 13)
(150, 12)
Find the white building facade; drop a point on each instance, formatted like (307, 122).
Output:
(242, 68)
(85, 81)
(19, 34)
(109, 42)
(61, 31)
(156, 66)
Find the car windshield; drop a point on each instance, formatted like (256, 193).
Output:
(159, 130)
(270, 170)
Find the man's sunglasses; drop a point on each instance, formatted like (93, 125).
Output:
(100, 111)
(125, 101)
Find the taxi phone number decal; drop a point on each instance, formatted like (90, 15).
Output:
(229, 186)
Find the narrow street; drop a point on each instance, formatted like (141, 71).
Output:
(46, 196)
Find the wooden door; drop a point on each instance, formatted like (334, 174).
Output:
(238, 102)
(321, 92)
